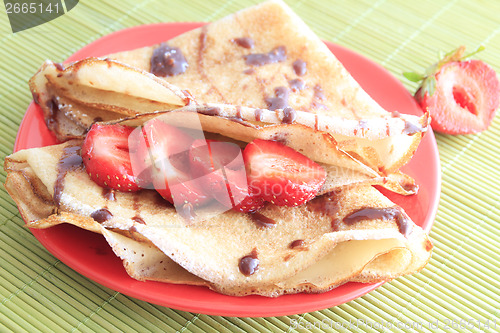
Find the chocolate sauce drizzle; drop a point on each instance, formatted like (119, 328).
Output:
(108, 194)
(168, 61)
(289, 115)
(249, 264)
(411, 128)
(281, 99)
(53, 107)
(59, 66)
(300, 67)
(101, 215)
(187, 212)
(318, 93)
(277, 54)
(244, 42)
(318, 96)
(327, 204)
(385, 214)
(298, 244)
(210, 111)
(261, 220)
(70, 160)
(296, 84)
(138, 219)
(412, 188)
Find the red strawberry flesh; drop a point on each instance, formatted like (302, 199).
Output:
(105, 154)
(221, 170)
(465, 99)
(250, 203)
(281, 175)
(168, 150)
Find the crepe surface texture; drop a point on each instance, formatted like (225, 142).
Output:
(240, 75)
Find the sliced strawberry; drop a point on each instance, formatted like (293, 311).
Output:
(183, 191)
(140, 159)
(209, 155)
(202, 168)
(461, 96)
(220, 169)
(281, 175)
(105, 154)
(251, 203)
(169, 163)
(465, 99)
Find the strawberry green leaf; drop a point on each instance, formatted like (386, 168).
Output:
(479, 49)
(431, 85)
(413, 77)
(432, 69)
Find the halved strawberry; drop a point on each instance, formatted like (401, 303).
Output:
(220, 168)
(461, 96)
(140, 159)
(251, 203)
(105, 154)
(168, 160)
(281, 175)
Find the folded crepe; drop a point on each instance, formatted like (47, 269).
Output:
(342, 236)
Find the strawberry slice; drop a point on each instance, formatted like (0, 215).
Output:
(105, 154)
(220, 169)
(281, 175)
(250, 203)
(168, 162)
(203, 168)
(140, 159)
(461, 96)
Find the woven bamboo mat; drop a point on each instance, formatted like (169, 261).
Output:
(458, 290)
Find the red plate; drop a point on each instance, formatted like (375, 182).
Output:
(90, 255)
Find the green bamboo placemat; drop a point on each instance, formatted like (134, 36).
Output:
(458, 289)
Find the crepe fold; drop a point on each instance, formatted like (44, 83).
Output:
(310, 248)
(94, 90)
